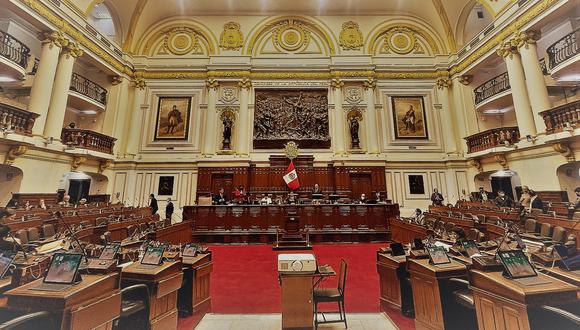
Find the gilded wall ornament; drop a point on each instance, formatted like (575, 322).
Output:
(400, 40)
(353, 94)
(351, 38)
(291, 150)
(370, 83)
(180, 40)
(291, 36)
(231, 37)
(77, 161)
(104, 164)
(245, 83)
(228, 94)
(140, 83)
(336, 83)
(212, 84)
(54, 38)
(465, 79)
(443, 83)
(14, 152)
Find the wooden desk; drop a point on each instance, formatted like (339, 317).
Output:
(297, 301)
(93, 303)
(502, 303)
(394, 290)
(431, 291)
(179, 233)
(163, 282)
(194, 296)
(405, 232)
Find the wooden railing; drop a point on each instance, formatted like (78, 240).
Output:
(16, 120)
(14, 50)
(88, 88)
(563, 49)
(492, 87)
(562, 117)
(85, 139)
(492, 138)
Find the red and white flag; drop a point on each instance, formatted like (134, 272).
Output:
(291, 177)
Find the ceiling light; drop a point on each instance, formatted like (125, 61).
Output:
(89, 112)
(6, 79)
(570, 77)
(495, 111)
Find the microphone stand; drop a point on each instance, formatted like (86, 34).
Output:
(60, 217)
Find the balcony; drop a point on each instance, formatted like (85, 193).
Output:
(563, 57)
(494, 93)
(564, 117)
(85, 139)
(495, 137)
(15, 120)
(14, 56)
(86, 94)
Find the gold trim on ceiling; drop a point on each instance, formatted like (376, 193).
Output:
(446, 25)
(133, 25)
(414, 28)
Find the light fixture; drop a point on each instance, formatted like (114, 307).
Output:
(495, 111)
(6, 79)
(89, 112)
(530, 138)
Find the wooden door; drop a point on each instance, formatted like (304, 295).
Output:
(79, 189)
(360, 183)
(222, 180)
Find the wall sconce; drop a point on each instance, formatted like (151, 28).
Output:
(530, 138)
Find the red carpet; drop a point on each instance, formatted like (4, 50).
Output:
(245, 279)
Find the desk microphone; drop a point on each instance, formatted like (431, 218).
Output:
(74, 236)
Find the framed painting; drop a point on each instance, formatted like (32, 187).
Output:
(165, 185)
(409, 118)
(416, 185)
(173, 118)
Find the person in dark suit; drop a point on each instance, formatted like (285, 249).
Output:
(316, 189)
(436, 197)
(169, 209)
(220, 198)
(536, 202)
(482, 195)
(153, 204)
(503, 200)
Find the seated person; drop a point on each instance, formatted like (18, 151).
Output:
(240, 195)
(436, 197)
(7, 215)
(419, 217)
(27, 206)
(316, 189)
(362, 199)
(42, 205)
(292, 198)
(266, 199)
(220, 198)
(502, 200)
(378, 199)
(535, 202)
(279, 200)
(575, 206)
(482, 195)
(65, 201)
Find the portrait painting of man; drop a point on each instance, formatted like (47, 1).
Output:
(173, 118)
(409, 117)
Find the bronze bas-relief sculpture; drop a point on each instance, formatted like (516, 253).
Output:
(284, 115)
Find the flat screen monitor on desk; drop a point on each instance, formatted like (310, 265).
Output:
(5, 262)
(153, 255)
(190, 250)
(397, 249)
(437, 255)
(516, 264)
(109, 252)
(471, 248)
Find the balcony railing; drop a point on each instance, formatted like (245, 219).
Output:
(14, 50)
(88, 88)
(492, 87)
(563, 49)
(566, 116)
(492, 138)
(34, 67)
(16, 120)
(85, 139)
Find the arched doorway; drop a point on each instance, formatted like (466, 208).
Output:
(569, 178)
(10, 182)
(80, 185)
(493, 181)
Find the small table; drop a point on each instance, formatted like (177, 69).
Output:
(95, 302)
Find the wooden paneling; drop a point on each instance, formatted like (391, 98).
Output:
(297, 305)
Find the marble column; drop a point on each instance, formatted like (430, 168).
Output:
(517, 79)
(136, 122)
(210, 136)
(371, 117)
(244, 122)
(116, 106)
(447, 122)
(59, 97)
(338, 136)
(44, 78)
(537, 90)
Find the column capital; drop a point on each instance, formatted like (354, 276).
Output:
(116, 80)
(72, 49)
(443, 83)
(53, 38)
(336, 83)
(526, 38)
(212, 84)
(245, 83)
(465, 79)
(508, 48)
(370, 83)
(140, 83)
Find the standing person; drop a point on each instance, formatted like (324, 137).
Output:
(525, 198)
(169, 209)
(153, 204)
(437, 197)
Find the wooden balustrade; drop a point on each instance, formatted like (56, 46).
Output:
(492, 87)
(559, 118)
(85, 139)
(492, 138)
(16, 120)
(563, 49)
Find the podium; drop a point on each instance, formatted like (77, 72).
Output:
(94, 303)
(292, 238)
(163, 281)
(194, 296)
(297, 301)
(395, 291)
(502, 303)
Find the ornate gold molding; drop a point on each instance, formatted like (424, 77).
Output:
(140, 83)
(508, 48)
(370, 83)
(477, 164)
(104, 164)
(14, 152)
(526, 38)
(336, 83)
(245, 83)
(351, 38)
(212, 84)
(77, 161)
(115, 80)
(565, 150)
(72, 49)
(502, 160)
(53, 38)
(231, 37)
(443, 83)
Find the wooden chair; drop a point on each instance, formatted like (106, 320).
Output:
(546, 230)
(33, 235)
(37, 320)
(332, 295)
(22, 235)
(134, 308)
(48, 230)
(530, 225)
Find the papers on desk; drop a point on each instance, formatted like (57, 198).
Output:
(51, 247)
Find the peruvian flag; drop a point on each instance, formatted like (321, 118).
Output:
(291, 177)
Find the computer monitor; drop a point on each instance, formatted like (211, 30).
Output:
(63, 268)
(471, 248)
(418, 243)
(516, 264)
(190, 250)
(437, 255)
(153, 255)
(397, 249)
(5, 262)
(109, 252)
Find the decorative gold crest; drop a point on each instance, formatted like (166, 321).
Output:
(351, 37)
(400, 40)
(291, 150)
(231, 37)
(180, 40)
(291, 36)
